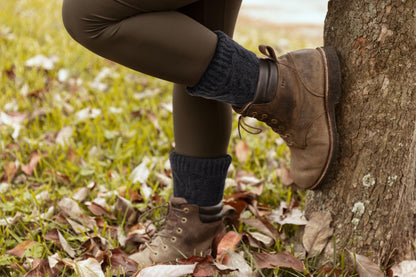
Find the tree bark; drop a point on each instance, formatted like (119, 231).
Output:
(371, 190)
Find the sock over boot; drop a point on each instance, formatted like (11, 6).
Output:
(231, 77)
(200, 181)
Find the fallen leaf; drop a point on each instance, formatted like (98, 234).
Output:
(9, 221)
(64, 135)
(329, 272)
(403, 269)
(265, 240)
(317, 233)
(71, 208)
(242, 151)
(288, 216)
(140, 173)
(125, 209)
(120, 263)
(86, 268)
(81, 194)
(56, 236)
(100, 210)
(260, 226)
(87, 113)
(166, 270)
(19, 250)
(282, 259)
(42, 61)
(228, 243)
(33, 162)
(284, 174)
(239, 264)
(365, 267)
(41, 268)
(10, 171)
(146, 93)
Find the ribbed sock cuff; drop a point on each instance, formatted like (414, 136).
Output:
(231, 76)
(200, 181)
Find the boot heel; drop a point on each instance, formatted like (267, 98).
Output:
(334, 74)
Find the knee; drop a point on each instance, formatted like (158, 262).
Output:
(72, 19)
(82, 23)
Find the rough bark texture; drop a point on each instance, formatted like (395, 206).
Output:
(372, 189)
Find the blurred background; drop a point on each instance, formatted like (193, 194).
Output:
(293, 12)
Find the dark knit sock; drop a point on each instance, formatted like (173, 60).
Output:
(200, 181)
(232, 75)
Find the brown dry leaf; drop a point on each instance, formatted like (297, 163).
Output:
(125, 209)
(141, 233)
(56, 236)
(9, 172)
(228, 243)
(284, 174)
(72, 155)
(317, 233)
(120, 262)
(282, 259)
(246, 178)
(19, 250)
(41, 268)
(99, 210)
(153, 119)
(365, 267)
(242, 151)
(329, 272)
(71, 208)
(403, 269)
(260, 226)
(34, 159)
(95, 246)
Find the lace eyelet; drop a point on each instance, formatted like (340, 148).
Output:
(186, 210)
(273, 121)
(165, 247)
(155, 253)
(184, 220)
(173, 239)
(254, 114)
(179, 230)
(264, 116)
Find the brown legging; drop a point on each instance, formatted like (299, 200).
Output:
(168, 39)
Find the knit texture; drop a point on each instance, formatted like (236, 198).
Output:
(200, 181)
(231, 77)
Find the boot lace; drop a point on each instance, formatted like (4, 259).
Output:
(246, 127)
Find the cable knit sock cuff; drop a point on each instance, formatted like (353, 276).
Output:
(200, 181)
(231, 76)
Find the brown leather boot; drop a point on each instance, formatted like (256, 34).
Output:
(296, 94)
(189, 230)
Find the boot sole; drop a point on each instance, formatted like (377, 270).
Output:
(332, 97)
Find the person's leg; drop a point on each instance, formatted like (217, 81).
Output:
(200, 161)
(203, 127)
(145, 35)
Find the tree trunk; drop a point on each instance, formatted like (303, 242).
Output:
(371, 190)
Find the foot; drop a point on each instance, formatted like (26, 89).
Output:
(296, 94)
(183, 235)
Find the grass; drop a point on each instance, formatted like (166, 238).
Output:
(102, 150)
